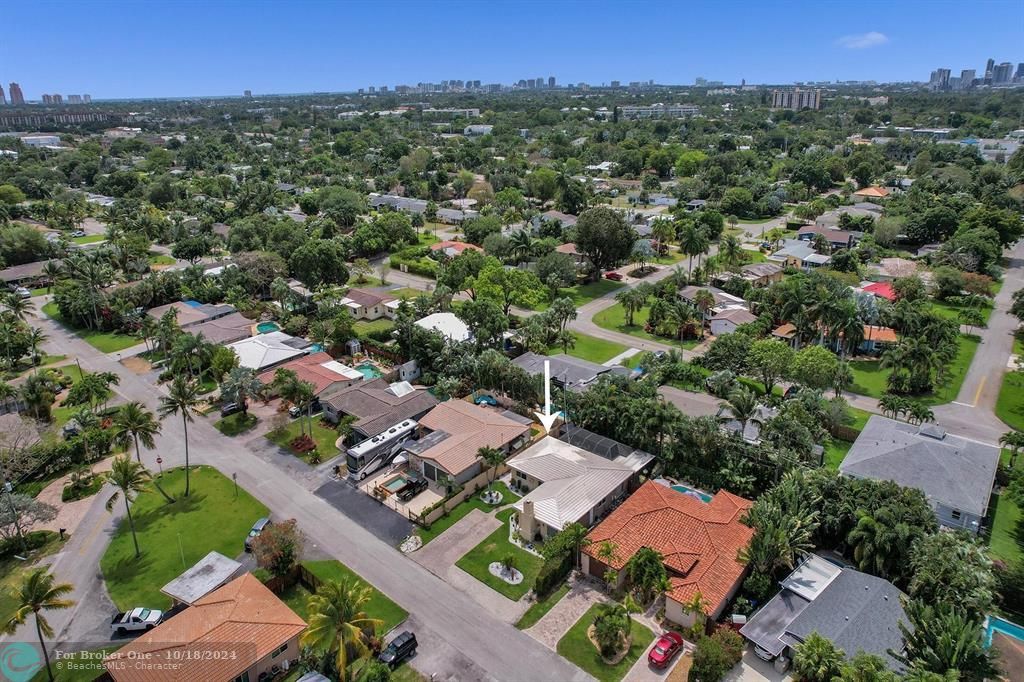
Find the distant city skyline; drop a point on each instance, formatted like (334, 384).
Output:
(185, 49)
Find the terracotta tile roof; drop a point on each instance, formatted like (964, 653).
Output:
(312, 368)
(785, 331)
(873, 191)
(243, 612)
(469, 428)
(699, 542)
(569, 248)
(456, 247)
(879, 334)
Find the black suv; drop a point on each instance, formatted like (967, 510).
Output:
(400, 648)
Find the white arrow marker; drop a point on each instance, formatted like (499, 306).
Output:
(546, 417)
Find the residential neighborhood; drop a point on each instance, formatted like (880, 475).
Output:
(525, 382)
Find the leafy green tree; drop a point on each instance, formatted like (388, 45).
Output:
(318, 262)
(556, 270)
(603, 236)
(881, 543)
(771, 359)
(130, 478)
(240, 385)
(37, 594)
(611, 626)
(278, 548)
(507, 287)
(814, 367)
(647, 574)
(568, 541)
(953, 568)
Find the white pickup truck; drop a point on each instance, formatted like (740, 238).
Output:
(136, 620)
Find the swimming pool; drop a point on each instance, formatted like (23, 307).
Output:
(692, 492)
(995, 624)
(192, 304)
(316, 348)
(369, 371)
(396, 483)
(267, 327)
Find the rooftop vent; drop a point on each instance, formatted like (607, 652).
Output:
(932, 431)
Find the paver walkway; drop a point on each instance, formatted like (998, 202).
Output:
(556, 622)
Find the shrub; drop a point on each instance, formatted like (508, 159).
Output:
(711, 660)
(34, 540)
(552, 572)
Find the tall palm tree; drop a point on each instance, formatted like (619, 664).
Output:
(36, 337)
(881, 543)
(239, 386)
(52, 271)
(38, 394)
(522, 245)
(38, 594)
(492, 457)
(742, 406)
(679, 315)
(705, 301)
(134, 424)
(20, 308)
(632, 301)
(1014, 441)
(729, 249)
(338, 624)
(131, 478)
(692, 242)
(183, 399)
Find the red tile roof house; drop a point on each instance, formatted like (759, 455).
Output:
(453, 249)
(319, 369)
(699, 543)
(240, 631)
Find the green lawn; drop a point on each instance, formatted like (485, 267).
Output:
(408, 293)
(175, 536)
(106, 342)
(540, 608)
(366, 327)
(236, 424)
(456, 513)
(952, 312)
(582, 294)
(161, 259)
(496, 547)
(835, 453)
(89, 239)
(379, 605)
(326, 438)
(860, 418)
(577, 648)
(1010, 405)
(1006, 539)
(614, 319)
(41, 291)
(93, 666)
(870, 379)
(591, 348)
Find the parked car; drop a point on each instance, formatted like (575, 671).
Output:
(613, 276)
(414, 487)
(400, 648)
(22, 292)
(228, 409)
(295, 410)
(78, 233)
(255, 531)
(665, 649)
(135, 620)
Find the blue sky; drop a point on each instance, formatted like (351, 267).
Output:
(164, 49)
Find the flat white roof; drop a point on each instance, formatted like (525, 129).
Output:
(208, 574)
(811, 577)
(448, 324)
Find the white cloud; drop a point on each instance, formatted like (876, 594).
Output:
(863, 40)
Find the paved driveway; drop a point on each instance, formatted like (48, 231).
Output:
(385, 523)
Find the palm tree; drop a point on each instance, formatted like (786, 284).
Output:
(729, 249)
(632, 301)
(704, 300)
(131, 478)
(842, 377)
(38, 394)
(919, 413)
(52, 271)
(7, 393)
(183, 399)
(133, 423)
(742, 406)
(881, 543)
(664, 231)
(338, 625)
(817, 659)
(521, 244)
(239, 386)
(19, 307)
(492, 457)
(692, 242)
(36, 337)
(39, 594)
(1014, 441)
(573, 537)
(679, 315)
(286, 384)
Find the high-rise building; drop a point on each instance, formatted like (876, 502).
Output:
(74, 99)
(57, 99)
(1002, 73)
(47, 99)
(87, 99)
(247, 94)
(989, 65)
(796, 99)
(3, 97)
(1020, 72)
(966, 78)
(17, 97)
(939, 79)
(551, 81)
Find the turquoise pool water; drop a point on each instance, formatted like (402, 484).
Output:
(267, 327)
(369, 371)
(316, 348)
(1009, 629)
(193, 304)
(692, 492)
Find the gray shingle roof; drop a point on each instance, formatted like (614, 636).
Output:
(953, 471)
(573, 373)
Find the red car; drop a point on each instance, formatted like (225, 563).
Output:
(665, 649)
(614, 276)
